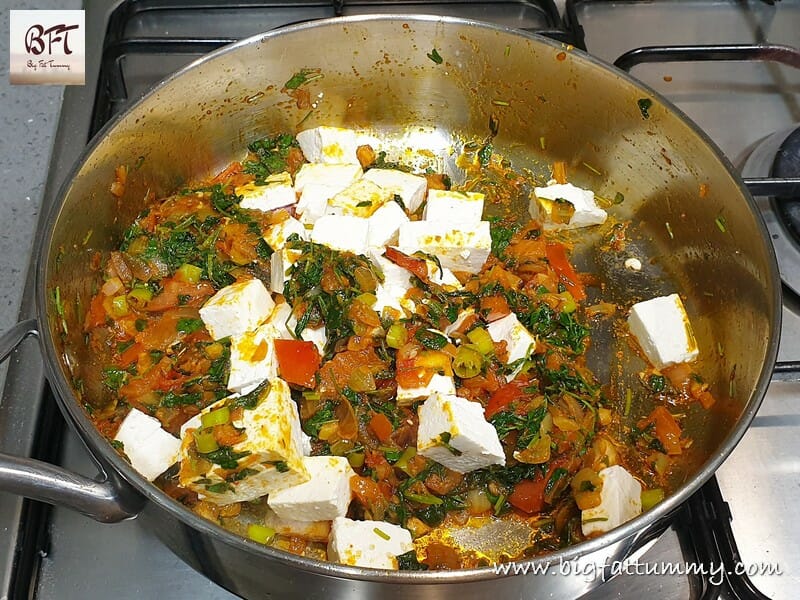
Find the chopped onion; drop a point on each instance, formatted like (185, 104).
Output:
(478, 502)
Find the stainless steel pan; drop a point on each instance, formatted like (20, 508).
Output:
(378, 75)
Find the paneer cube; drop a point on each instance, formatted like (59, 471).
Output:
(277, 234)
(253, 359)
(331, 175)
(322, 498)
(237, 308)
(410, 188)
(439, 384)
(314, 531)
(313, 201)
(453, 431)
(621, 501)
(373, 544)
(360, 199)
(519, 341)
(662, 328)
(448, 206)
(565, 206)
(150, 449)
(330, 145)
(280, 265)
(277, 193)
(396, 283)
(342, 233)
(269, 458)
(384, 224)
(459, 247)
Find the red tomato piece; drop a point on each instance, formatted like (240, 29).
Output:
(494, 307)
(667, 430)
(557, 257)
(416, 266)
(298, 361)
(528, 495)
(381, 426)
(504, 396)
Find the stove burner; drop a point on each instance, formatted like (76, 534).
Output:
(779, 156)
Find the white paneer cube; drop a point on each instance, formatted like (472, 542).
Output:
(280, 265)
(396, 283)
(330, 145)
(410, 188)
(322, 498)
(237, 308)
(585, 209)
(439, 384)
(150, 449)
(313, 201)
(360, 199)
(277, 193)
(519, 341)
(662, 328)
(462, 247)
(620, 501)
(373, 544)
(277, 234)
(314, 531)
(253, 359)
(317, 335)
(339, 176)
(305, 443)
(384, 224)
(271, 458)
(448, 206)
(342, 233)
(453, 431)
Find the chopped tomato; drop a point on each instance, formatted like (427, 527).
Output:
(416, 266)
(180, 293)
(494, 307)
(557, 257)
(96, 316)
(381, 426)
(366, 490)
(667, 429)
(503, 397)
(298, 361)
(130, 355)
(528, 495)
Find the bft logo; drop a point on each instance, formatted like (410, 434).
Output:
(58, 35)
(47, 46)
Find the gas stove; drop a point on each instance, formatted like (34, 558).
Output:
(742, 517)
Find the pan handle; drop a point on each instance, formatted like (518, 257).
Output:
(107, 498)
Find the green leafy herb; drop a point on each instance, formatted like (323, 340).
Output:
(408, 562)
(189, 325)
(114, 378)
(619, 198)
(302, 77)
(241, 474)
(319, 418)
(644, 106)
(431, 340)
(281, 466)
(527, 425)
(657, 383)
(435, 56)
(271, 156)
(225, 457)
(219, 488)
(140, 324)
(250, 401)
(501, 237)
(444, 440)
(171, 399)
(485, 154)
